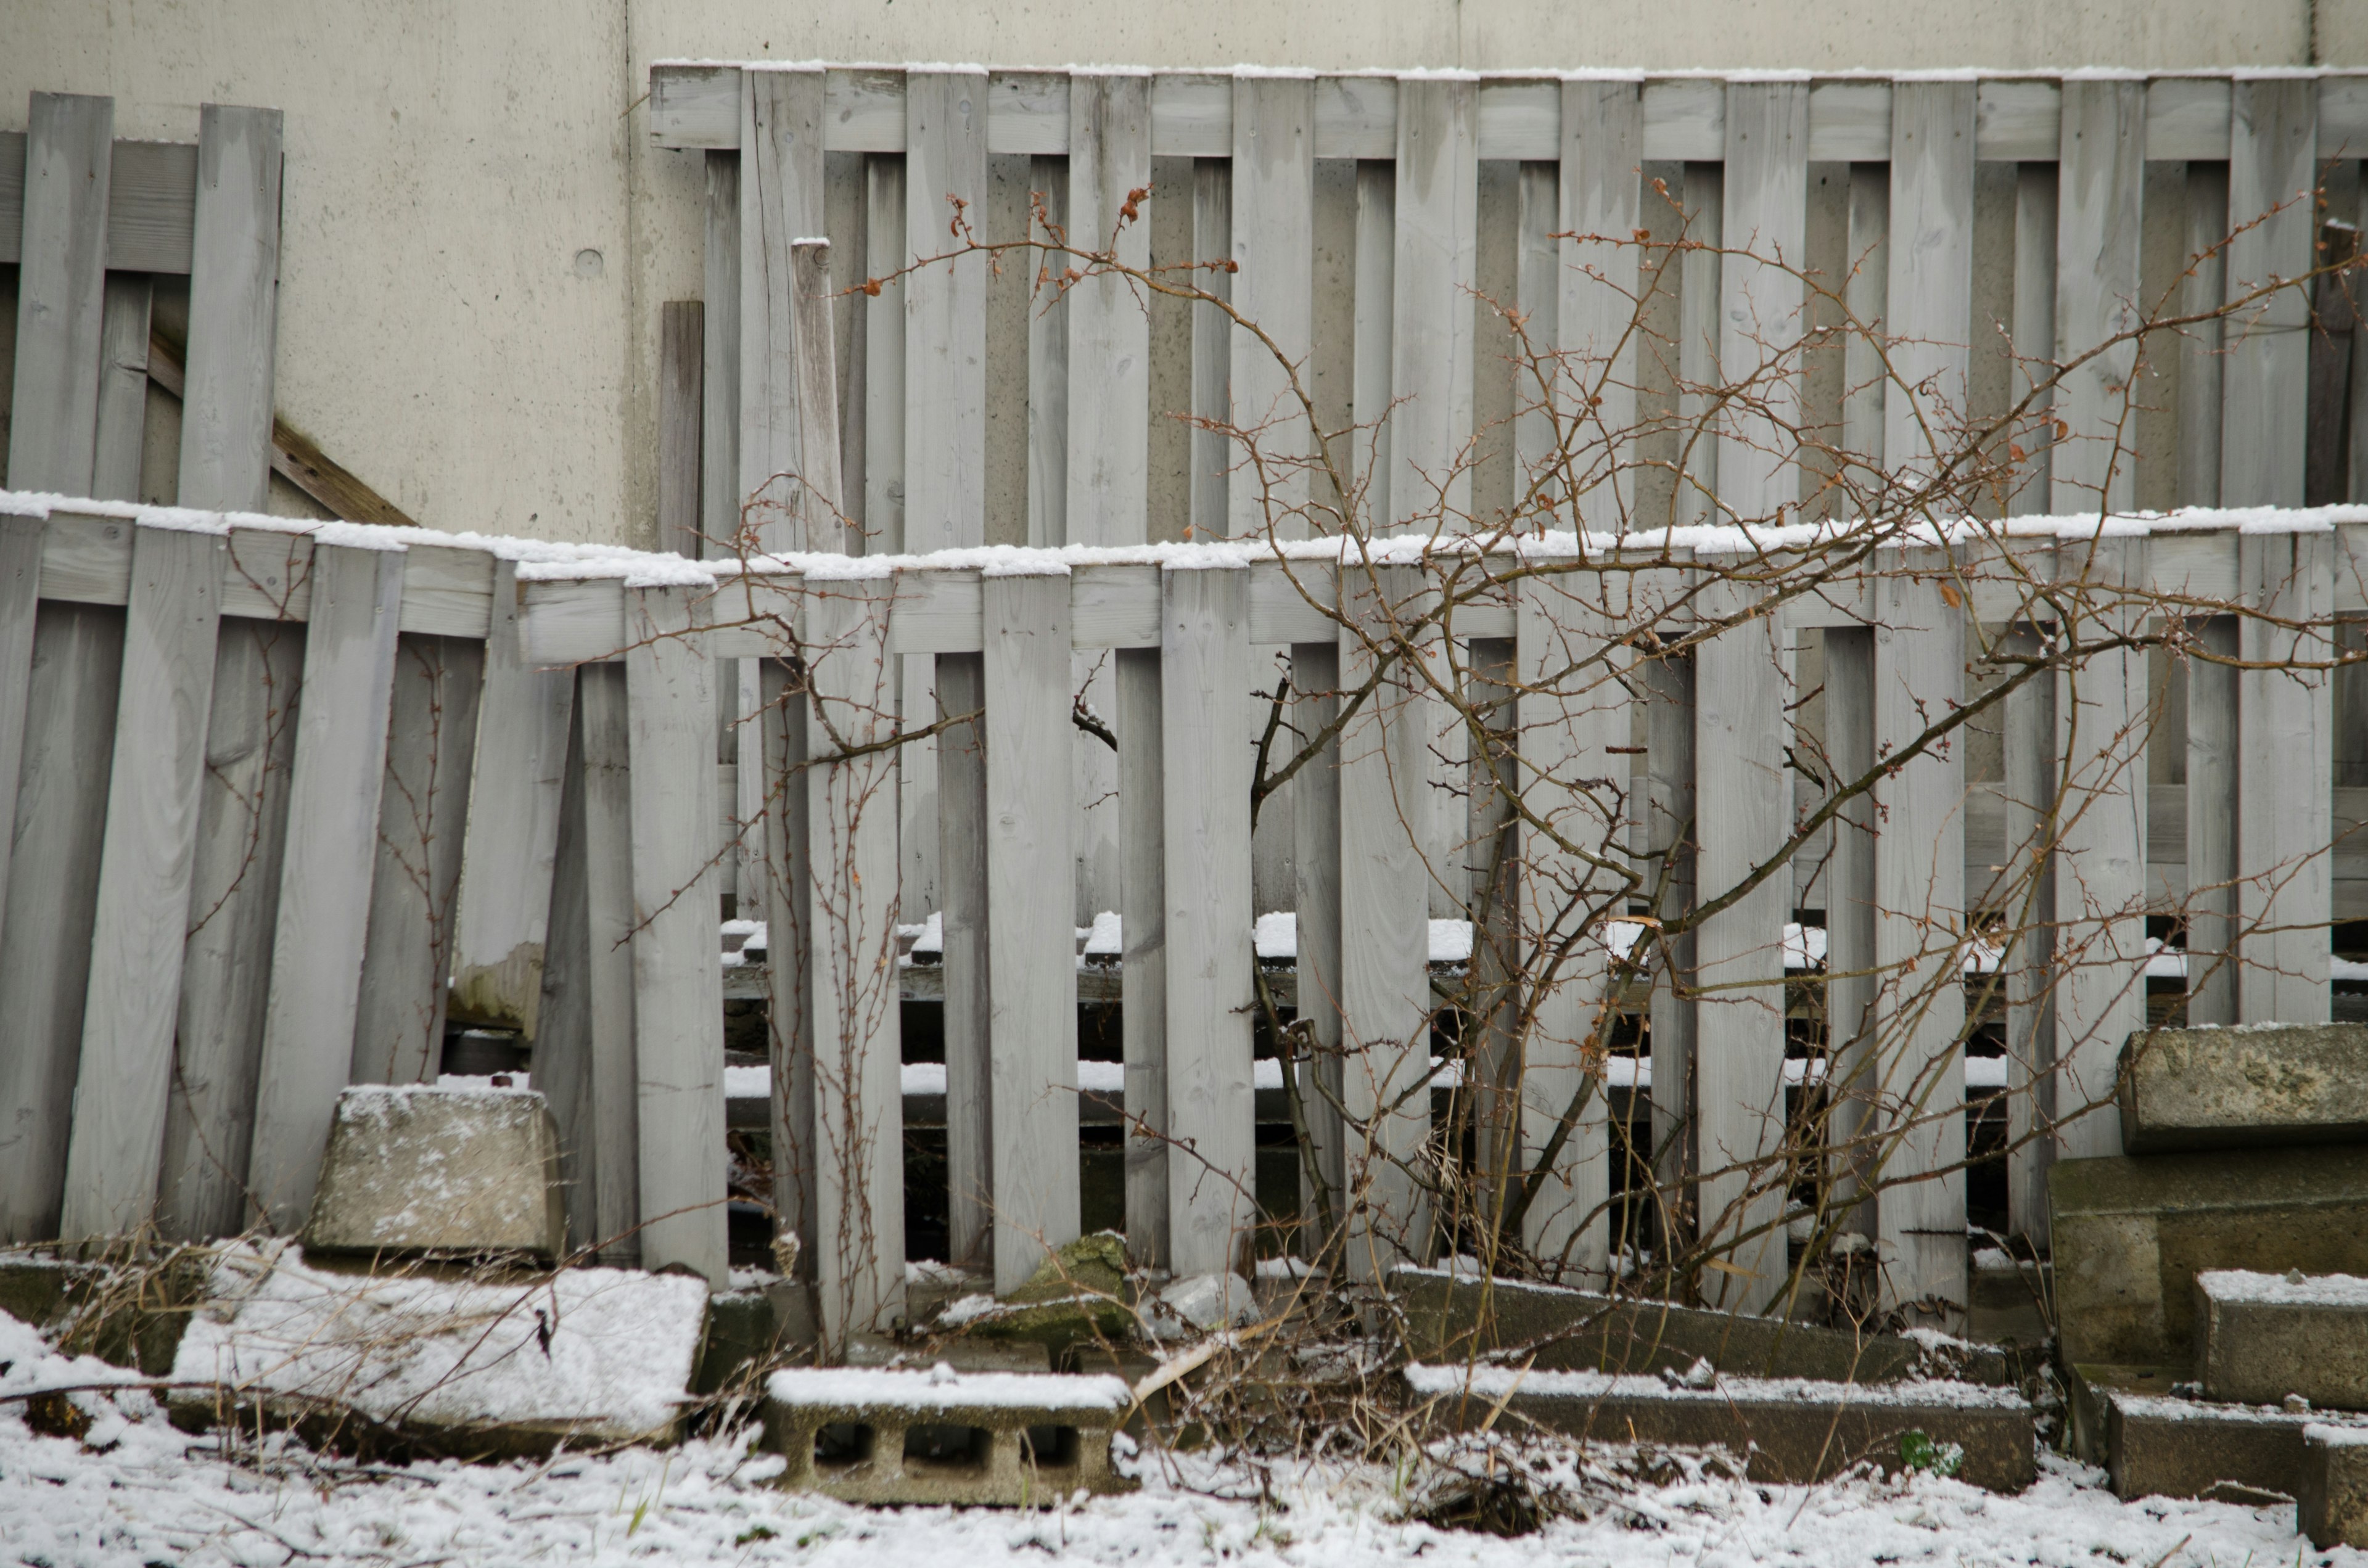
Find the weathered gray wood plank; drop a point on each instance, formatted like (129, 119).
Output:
(1855, 1071)
(2211, 805)
(781, 200)
(1108, 322)
(851, 970)
(1143, 911)
(61, 290)
(1032, 957)
(45, 947)
(1206, 748)
(719, 434)
(1273, 243)
(2100, 187)
(2035, 208)
(945, 312)
(422, 827)
(2201, 349)
(1212, 352)
(1929, 302)
(1667, 836)
(682, 373)
(1701, 328)
(2030, 789)
(233, 905)
(1599, 275)
(1431, 337)
(1761, 320)
(226, 400)
(1316, 831)
(2285, 728)
(677, 986)
(325, 882)
(143, 913)
(961, 833)
(789, 1017)
(123, 387)
(1044, 466)
(2274, 133)
(20, 582)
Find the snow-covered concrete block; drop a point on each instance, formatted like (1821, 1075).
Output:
(2332, 1503)
(466, 1366)
(1014, 1439)
(2263, 1337)
(1786, 1430)
(2131, 1234)
(2242, 1088)
(418, 1168)
(2157, 1444)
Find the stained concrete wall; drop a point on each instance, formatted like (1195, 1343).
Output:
(478, 232)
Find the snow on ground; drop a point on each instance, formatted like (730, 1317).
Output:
(151, 1495)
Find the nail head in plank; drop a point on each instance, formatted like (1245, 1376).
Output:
(134, 1003)
(226, 405)
(324, 885)
(61, 290)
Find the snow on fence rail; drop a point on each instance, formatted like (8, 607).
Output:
(254, 908)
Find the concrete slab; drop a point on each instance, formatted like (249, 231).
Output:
(943, 1437)
(1449, 1317)
(440, 1172)
(2331, 1504)
(2250, 1086)
(1792, 1431)
(2132, 1233)
(2087, 1413)
(2264, 1336)
(2012, 1301)
(2162, 1446)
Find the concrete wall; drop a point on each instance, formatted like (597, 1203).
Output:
(478, 233)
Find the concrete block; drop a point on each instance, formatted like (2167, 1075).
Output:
(2087, 1412)
(2132, 1233)
(2332, 1503)
(2011, 1301)
(962, 1355)
(2250, 1086)
(2163, 1446)
(943, 1437)
(440, 1172)
(1788, 1431)
(489, 1366)
(2261, 1338)
(1449, 1317)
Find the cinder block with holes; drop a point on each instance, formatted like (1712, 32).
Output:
(1008, 1438)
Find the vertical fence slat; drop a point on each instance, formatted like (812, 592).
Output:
(1384, 934)
(324, 878)
(1142, 1013)
(226, 407)
(781, 200)
(963, 884)
(945, 312)
(1032, 957)
(2030, 769)
(1669, 834)
(2201, 348)
(788, 1010)
(1930, 298)
(1204, 685)
(1602, 146)
(2100, 884)
(1273, 241)
(61, 293)
(1919, 899)
(1213, 351)
(1316, 828)
(144, 881)
(1431, 337)
(1853, 1072)
(1866, 295)
(859, 1139)
(20, 583)
(45, 948)
(677, 983)
(1375, 313)
(2035, 210)
(2273, 133)
(1743, 795)
(2098, 188)
(1760, 318)
(422, 825)
(1044, 466)
(1572, 712)
(682, 373)
(2212, 804)
(1701, 315)
(122, 423)
(233, 906)
(523, 718)
(2285, 723)
(719, 429)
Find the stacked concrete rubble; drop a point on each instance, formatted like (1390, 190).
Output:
(2211, 1285)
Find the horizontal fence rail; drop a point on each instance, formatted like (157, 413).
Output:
(263, 926)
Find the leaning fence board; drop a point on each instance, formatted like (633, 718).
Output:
(1273, 244)
(422, 827)
(234, 904)
(2098, 185)
(144, 881)
(677, 987)
(945, 312)
(20, 581)
(1431, 337)
(858, 1137)
(1921, 911)
(1929, 304)
(1743, 794)
(2286, 724)
(1143, 910)
(325, 882)
(226, 405)
(61, 289)
(1206, 745)
(45, 928)
(1602, 143)
(1032, 957)
(1761, 317)
(2264, 380)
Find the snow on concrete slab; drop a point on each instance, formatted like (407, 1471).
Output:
(605, 1352)
(942, 1388)
(1497, 1383)
(2284, 1290)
